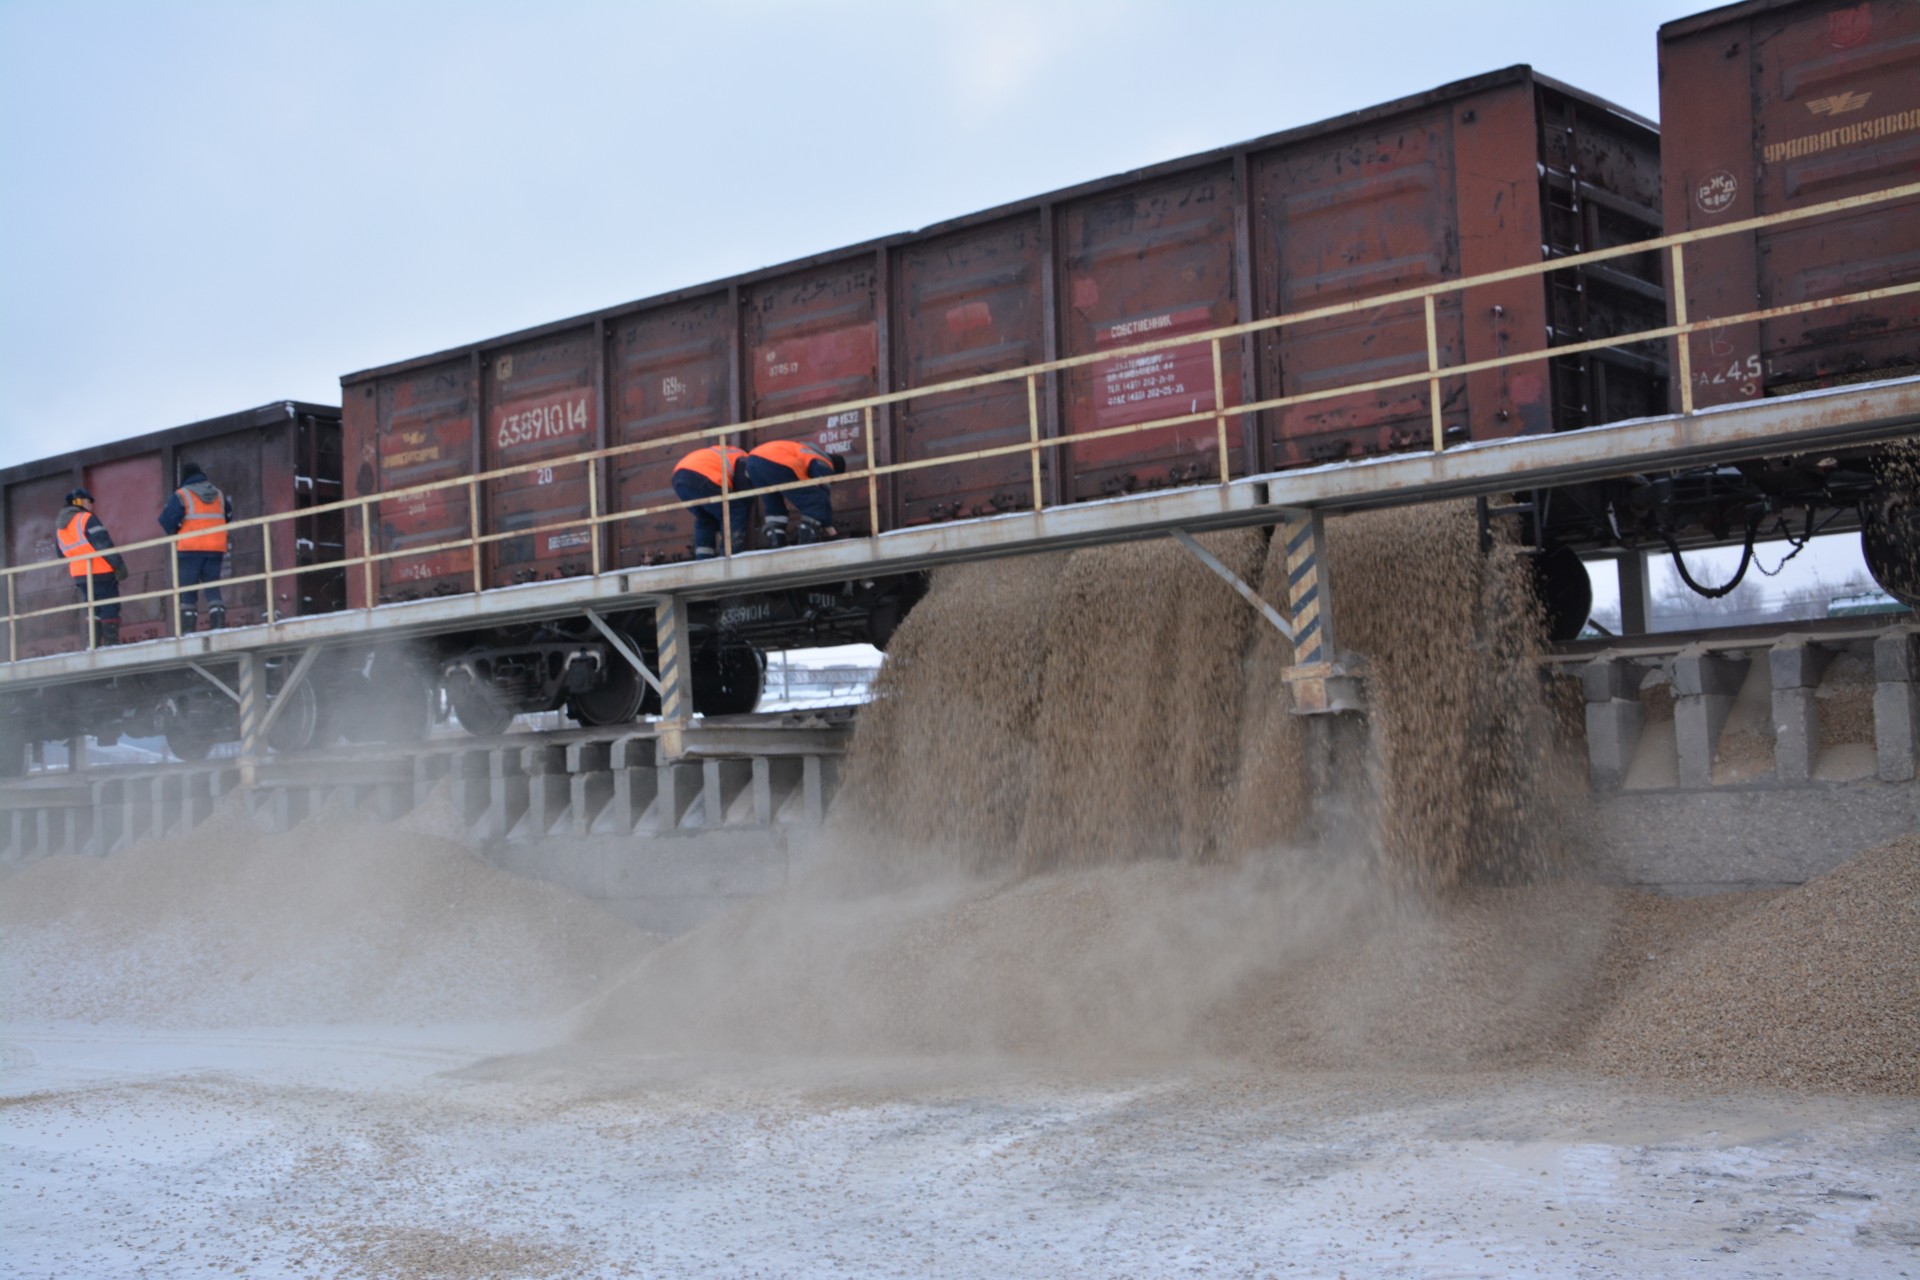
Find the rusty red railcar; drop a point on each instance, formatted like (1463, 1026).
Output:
(278, 458)
(1482, 174)
(1776, 105)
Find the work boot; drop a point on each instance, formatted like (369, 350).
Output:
(189, 619)
(705, 553)
(216, 616)
(106, 632)
(776, 529)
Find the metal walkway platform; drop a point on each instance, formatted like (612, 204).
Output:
(1850, 416)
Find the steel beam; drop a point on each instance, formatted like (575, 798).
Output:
(1233, 580)
(625, 650)
(293, 680)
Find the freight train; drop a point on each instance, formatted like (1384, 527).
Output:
(1768, 106)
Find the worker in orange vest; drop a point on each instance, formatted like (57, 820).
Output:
(201, 512)
(783, 462)
(707, 473)
(95, 569)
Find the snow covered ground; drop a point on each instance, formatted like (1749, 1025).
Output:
(464, 1151)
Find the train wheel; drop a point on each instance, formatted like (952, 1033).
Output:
(479, 714)
(298, 725)
(1890, 544)
(621, 695)
(188, 743)
(727, 680)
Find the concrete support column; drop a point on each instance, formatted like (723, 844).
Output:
(819, 779)
(77, 753)
(506, 792)
(589, 783)
(428, 769)
(678, 786)
(548, 788)
(1796, 668)
(774, 779)
(1896, 705)
(1615, 717)
(721, 782)
(470, 791)
(635, 784)
(1704, 686)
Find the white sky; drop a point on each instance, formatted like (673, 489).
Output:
(209, 206)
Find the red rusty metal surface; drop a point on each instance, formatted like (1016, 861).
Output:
(671, 370)
(409, 429)
(541, 405)
(33, 517)
(128, 493)
(812, 338)
(1770, 107)
(1469, 177)
(966, 304)
(1152, 259)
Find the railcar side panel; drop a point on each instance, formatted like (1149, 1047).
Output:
(540, 405)
(33, 517)
(812, 338)
(413, 428)
(1774, 107)
(671, 369)
(1148, 261)
(965, 304)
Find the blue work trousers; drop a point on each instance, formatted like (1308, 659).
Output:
(689, 485)
(197, 567)
(812, 502)
(105, 587)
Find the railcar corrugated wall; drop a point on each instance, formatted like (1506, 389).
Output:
(1772, 106)
(1483, 174)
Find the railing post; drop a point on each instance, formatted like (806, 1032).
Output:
(173, 576)
(266, 561)
(13, 632)
(726, 502)
(366, 552)
(91, 628)
(1220, 412)
(873, 480)
(1683, 338)
(474, 545)
(1433, 380)
(1033, 433)
(593, 510)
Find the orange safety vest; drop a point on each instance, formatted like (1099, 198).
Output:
(791, 454)
(79, 552)
(714, 462)
(205, 522)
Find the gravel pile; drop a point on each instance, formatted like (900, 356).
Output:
(1818, 988)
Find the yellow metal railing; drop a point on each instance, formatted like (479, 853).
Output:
(1434, 373)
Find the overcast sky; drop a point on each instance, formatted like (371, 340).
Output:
(209, 206)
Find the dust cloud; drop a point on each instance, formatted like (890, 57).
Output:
(1079, 824)
(337, 921)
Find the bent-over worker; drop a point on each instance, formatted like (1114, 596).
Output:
(200, 511)
(707, 473)
(783, 462)
(93, 565)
